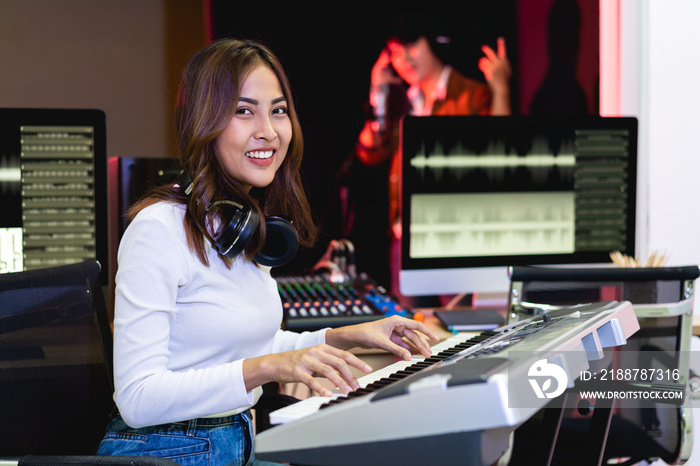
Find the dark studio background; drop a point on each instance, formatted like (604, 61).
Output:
(328, 54)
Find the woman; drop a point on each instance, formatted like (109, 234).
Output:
(197, 333)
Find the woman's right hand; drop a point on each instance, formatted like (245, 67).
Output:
(305, 366)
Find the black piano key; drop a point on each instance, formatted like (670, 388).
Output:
(329, 404)
(414, 368)
(432, 360)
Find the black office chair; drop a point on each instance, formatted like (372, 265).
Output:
(56, 368)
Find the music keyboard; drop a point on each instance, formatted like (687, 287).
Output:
(459, 404)
(310, 405)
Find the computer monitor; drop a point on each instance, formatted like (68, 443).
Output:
(53, 188)
(480, 194)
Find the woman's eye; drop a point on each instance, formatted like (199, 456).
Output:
(243, 111)
(280, 111)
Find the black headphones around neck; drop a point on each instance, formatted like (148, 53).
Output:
(238, 224)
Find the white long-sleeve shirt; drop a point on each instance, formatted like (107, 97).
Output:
(182, 330)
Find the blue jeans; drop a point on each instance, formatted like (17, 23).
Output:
(206, 441)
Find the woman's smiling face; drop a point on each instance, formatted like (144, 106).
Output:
(255, 141)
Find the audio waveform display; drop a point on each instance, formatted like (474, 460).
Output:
(493, 166)
(479, 225)
(10, 177)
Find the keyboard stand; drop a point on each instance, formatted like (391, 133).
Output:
(663, 301)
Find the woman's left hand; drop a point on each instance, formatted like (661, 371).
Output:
(398, 335)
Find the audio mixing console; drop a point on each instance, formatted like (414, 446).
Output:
(314, 302)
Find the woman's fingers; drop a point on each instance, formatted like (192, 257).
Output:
(332, 364)
(418, 342)
(410, 335)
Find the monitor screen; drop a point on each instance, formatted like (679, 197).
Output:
(53, 188)
(480, 194)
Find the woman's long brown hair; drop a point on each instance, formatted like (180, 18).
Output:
(207, 100)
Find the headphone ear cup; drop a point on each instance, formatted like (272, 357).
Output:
(239, 223)
(237, 226)
(281, 243)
